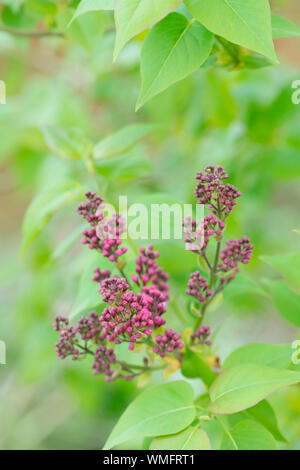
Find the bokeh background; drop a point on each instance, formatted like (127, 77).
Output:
(244, 120)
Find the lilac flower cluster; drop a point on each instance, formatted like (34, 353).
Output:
(90, 327)
(104, 234)
(220, 199)
(100, 275)
(92, 209)
(201, 335)
(132, 317)
(237, 251)
(129, 317)
(167, 343)
(103, 360)
(111, 288)
(148, 271)
(66, 346)
(133, 314)
(210, 190)
(198, 238)
(198, 287)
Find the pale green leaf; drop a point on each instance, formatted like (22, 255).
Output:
(174, 48)
(86, 6)
(248, 435)
(240, 387)
(272, 355)
(45, 204)
(86, 29)
(122, 140)
(67, 142)
(214, 431)
(288, 266)
(265, 415)
(247, 23)
(244, 285)
(134, 16)
(125, 167)
(284, 28)
(160, 410)
(286, 301)
(68, 242)
(191, 438)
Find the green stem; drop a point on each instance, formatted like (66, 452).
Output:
(121, 270)
(215, 265)
(137, 367)
(200, 319)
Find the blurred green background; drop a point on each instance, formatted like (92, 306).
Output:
(244, 120)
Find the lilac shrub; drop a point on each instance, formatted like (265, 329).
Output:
(136, 305)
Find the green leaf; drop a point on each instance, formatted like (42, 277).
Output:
(122, 140)
(194, 367)
(288, 266)
(244, 285)
(67, 243)
(265, 415)
(86, 6)
(248, 435)
(134, 16)
(247, 23)
(174, 48)
(283, 28)
(126, 167)
(286, 301)
(88, 296)
(215, 432)
(241, 387)
(67, 142)
(45, 204)
(160, 410)
(191, 438)
(272, 355)
(85, 29)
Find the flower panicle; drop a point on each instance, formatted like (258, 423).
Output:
(133, 313)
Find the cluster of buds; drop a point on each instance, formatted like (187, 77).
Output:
(87, 328)
(198, 287)
(66, 346)
(133, 317)
(129, 317)
(111, 288)
(148, 271)
(220, 199)
(210, 190)
(92, 209)
(103, 360)
(237, 251)
(99, 276)
(90, 327)
(167, 343)
(104, 234)
(197, 236)
(201, 335)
